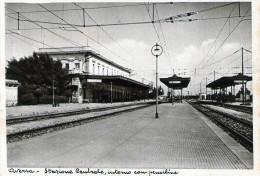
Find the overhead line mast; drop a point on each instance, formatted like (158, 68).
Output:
(226, 38)
(41, 27)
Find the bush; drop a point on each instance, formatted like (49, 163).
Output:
(48, 99)
(62, 99)
(45, 99)
(28, 99)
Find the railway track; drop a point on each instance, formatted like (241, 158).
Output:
(241, 130)
(55, 124)
(63, 114)
(245, 109)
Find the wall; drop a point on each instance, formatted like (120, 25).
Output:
(92, 65)
(72, 60)
(96, 66)
(11, 96)
(101, 93)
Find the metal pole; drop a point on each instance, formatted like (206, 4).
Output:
(153, 13)
(53, 93)
(214, 80)
(111, 96)
(156, 51)
(83, 17)
(156, 114)
(243, 87)
(181, 95)
(18, 21)
(206, 88)
(172, 95)
(200, 89)
(239, 9)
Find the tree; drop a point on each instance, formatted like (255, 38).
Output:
(160, 91)
(153, 93)
(36, 74)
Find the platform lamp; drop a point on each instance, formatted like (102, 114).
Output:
(156, 51)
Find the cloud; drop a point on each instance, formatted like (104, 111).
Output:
(231, 47)
(207, 42)
(188, 58)
(135, 54)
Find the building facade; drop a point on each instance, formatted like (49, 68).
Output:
(11, 90)
(98, 79)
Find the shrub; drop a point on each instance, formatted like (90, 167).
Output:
(45, 99)
(61, 99)
(48, 99)
(28, 99)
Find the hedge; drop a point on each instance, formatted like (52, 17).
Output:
(48, 99)
(27, 99)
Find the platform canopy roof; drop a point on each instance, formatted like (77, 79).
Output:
(116, 80)
(229, 81)
(176, 82)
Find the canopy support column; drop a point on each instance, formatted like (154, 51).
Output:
(181, 95)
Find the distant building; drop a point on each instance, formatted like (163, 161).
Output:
(98, 79)
(202, 96)
(11, 87)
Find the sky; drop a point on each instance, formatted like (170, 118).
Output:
(211, 42)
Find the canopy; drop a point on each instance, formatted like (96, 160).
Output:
(229, 81)
(176, 82)
(118, 80)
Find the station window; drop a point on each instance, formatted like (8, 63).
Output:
(98, 70)
(103, 72)
(93, 69)
(67, 66)
(77, 65)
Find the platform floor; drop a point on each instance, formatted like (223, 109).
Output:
(180, 138)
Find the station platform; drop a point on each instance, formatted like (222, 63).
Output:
(229, 103)
(30, 110)
(181, 138)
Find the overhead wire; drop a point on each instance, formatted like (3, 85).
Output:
(60, 36)
(90, 8)
(217, 36)
(88, 37)
(29, 38)
(162, 32)
(152, 20)
(11, 34)
(83, 32)
(222, 58)
(157, 34)
(225, 40)
(232, 62)
(197, 12)
(111, 24)
(105, 32)
(101, 7)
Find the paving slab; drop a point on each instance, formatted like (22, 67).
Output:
(179, 139)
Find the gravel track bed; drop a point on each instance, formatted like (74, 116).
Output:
(235, 125)
(37, 132)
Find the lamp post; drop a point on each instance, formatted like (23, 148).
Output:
(53, 97)
(156, 51)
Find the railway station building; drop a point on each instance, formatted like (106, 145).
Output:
(97, 78)
(11, 90)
